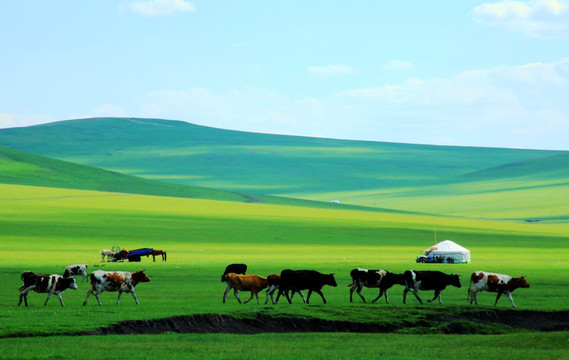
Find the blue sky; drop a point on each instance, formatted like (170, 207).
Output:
(468, 73)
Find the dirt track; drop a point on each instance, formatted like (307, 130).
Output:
(485, 322)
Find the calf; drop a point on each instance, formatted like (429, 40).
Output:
(234, 268)
(273, 283)
(121, 281)
(75, 270)
(499, 283)
(428, 280)
(381, 279)
(252, 283)
(296, 280)
(40, 283)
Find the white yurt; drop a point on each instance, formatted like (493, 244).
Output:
(446, 252)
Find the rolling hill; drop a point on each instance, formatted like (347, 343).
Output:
(17, 167)
(405, 177)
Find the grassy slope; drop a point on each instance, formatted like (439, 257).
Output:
(430, 179)
(17, 167)
(199, 155)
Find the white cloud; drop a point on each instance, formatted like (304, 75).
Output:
(21, 120)
(331, 70)
(156, 8)
(509, 106)
(398, 65)
(247, 110)
(537, 18)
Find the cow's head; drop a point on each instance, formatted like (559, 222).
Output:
(455, 280)
(140, 276)
(331, 281)
(522, 282)
(68, 283)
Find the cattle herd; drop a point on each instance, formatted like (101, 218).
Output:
(287, 283)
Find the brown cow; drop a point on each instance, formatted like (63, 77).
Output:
(252, 283)
(499, 283)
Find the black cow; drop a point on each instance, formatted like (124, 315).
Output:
(381, 279)
(234, 268)
(50, 284)
(428, 280)
(296, 280)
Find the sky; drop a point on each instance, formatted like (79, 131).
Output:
(467, 73)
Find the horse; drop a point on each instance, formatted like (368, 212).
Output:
(156, 252)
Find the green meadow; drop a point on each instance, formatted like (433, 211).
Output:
(46, 229)
(211, 197)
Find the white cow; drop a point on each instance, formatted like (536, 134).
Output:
(121, 281)
(492, 282)
(107, 253)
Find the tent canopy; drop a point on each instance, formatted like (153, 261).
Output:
(448, 251)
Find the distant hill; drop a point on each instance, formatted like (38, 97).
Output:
(404, 177)
(17, 167)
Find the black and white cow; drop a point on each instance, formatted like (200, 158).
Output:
(311, 280)
(41, 283)
(234, 268)
(428, 280)
(381, 279)
(76, 270)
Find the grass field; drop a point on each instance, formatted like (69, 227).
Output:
(44, 230)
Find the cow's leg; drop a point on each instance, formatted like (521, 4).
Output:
(416, 293)
(379, 295)
(153, 258)
(253, 293)
(287, 294)
(235, 292)
(89, 292)
(308, 296)
(98, 296)
(60, 298)
(497, 297)
(134, 296)
(510, 297)
(352, 288)
(24, 295)
(437, 295)
(405, 295)
(301, 295)
(359, 292)
(227, 288)
(386, 299)
(473, 296)
(321, 295)
(268, 293)
(48, 296)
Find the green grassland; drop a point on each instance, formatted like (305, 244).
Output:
(54, 213)
(404, 177)
(46, 229)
